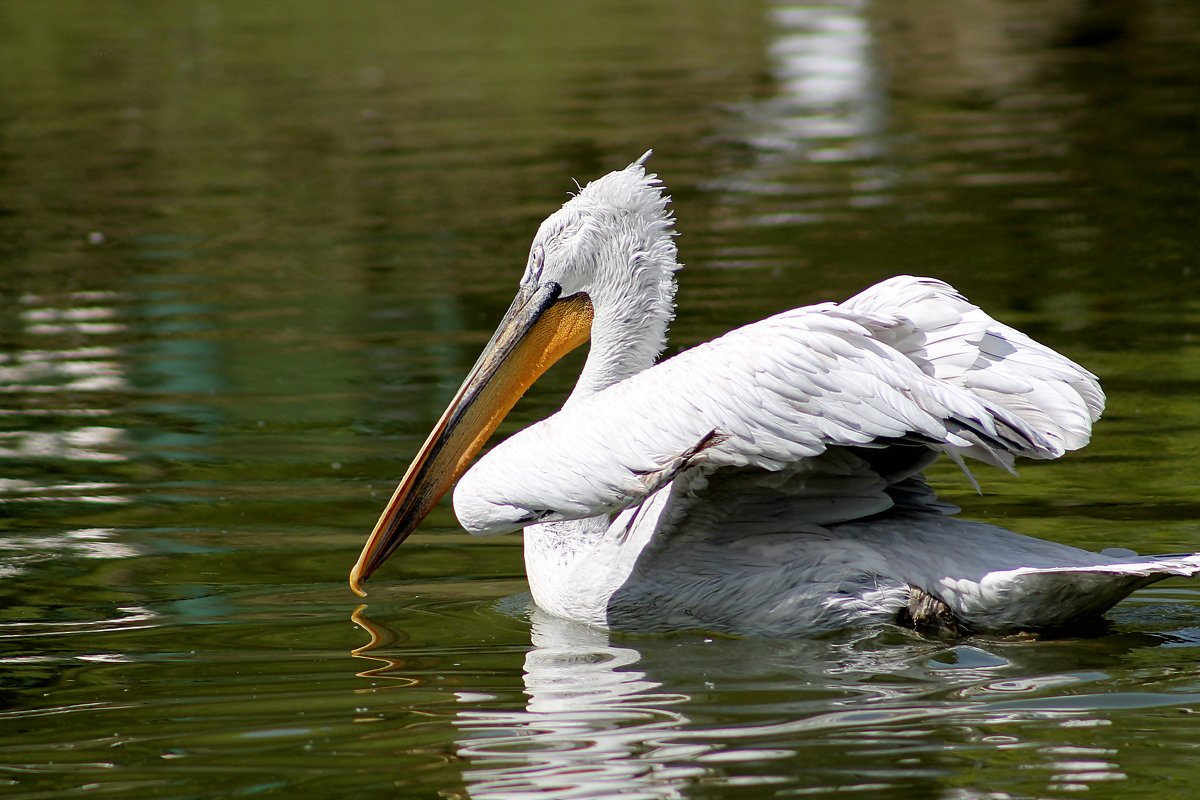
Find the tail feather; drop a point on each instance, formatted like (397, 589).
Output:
(1055, 597)
(1156, 567)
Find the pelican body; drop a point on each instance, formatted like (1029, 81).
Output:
(768, 482)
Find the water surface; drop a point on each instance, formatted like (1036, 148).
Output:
(247, 251)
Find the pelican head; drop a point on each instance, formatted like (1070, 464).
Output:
(600, 268)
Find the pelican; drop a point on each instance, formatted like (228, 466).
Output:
(768, 482)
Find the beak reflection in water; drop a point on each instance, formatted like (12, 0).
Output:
(539, 328)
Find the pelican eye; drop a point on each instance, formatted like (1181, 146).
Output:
(537, 262)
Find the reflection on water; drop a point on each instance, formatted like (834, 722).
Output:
(598, 718)
(84, 543)
(57, 388)
(124, 618)
(73, 382)
(839, 132)
(824, 123)
(93, 443)
(593, 723)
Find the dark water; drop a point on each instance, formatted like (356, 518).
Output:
(248, 250)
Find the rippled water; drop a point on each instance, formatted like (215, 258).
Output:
(247, 251)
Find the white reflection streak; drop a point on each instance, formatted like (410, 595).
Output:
(83, 369)
(65, 377)
(828, 110)
(20, 491)
(823, 67)
(80, 543)
(127, 618)
(591, 728)
(93, 443)
(87, 320)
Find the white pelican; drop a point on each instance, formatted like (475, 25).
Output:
(768, 482)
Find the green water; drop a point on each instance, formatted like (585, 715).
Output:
(248, 250)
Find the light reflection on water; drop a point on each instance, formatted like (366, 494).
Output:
(124, 618)
(829, 139)
(825, 114)
(55, 397)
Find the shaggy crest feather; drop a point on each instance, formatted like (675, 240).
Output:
(618, 228)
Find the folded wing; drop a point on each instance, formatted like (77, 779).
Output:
(908, 367)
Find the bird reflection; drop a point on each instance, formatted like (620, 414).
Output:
(614, 715)
(594, 723)
(381, 636)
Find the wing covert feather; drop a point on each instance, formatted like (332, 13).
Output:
(909, 359)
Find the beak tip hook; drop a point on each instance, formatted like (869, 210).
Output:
(356, 582)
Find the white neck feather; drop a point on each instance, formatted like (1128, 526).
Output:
(627, 241)
(614, 241)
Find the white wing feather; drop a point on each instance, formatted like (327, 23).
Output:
(951, 339)
(908, 359)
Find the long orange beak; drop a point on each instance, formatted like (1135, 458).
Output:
(539, 328)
